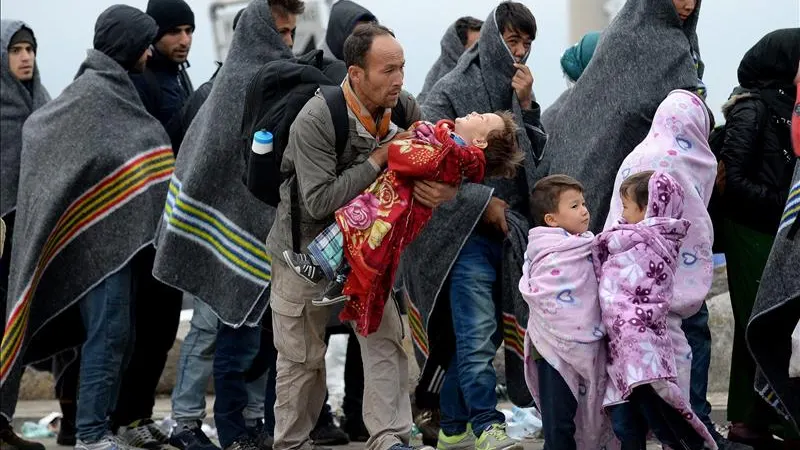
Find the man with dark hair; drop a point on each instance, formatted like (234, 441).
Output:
(21, 92)
(163, 87)
(323, 182)
(211, 244)
(87, 220)
(459, 37)
(480, 258)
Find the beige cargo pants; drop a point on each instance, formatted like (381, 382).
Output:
(299, 329)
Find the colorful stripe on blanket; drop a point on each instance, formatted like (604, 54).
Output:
(111, 193)
(792, 207)
(418, 333)
(230, 244)
(514, 335)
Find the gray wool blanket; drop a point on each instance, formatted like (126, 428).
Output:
(644, 54)
(452, 49)
(94, 170)
(775, 314)
(480, 82)
(211, 243)
(16, 104)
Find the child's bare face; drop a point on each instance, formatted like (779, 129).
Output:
(631, 211)
(474, 127)
(572, 215)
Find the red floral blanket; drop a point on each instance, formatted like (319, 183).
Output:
(378, 224)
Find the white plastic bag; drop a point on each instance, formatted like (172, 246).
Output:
(794, 361)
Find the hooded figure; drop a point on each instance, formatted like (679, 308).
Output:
(480, 82)
(452, 48)
(614, 107)
(211, 243)
(17, 101)
(94, 168)
(344, 17)
(636, 271)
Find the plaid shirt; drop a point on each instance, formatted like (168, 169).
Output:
(327, 250)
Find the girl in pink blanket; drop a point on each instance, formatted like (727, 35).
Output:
(559, 284)
(636, 262)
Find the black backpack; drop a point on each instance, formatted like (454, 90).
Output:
(277, 93)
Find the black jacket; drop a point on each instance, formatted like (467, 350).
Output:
(179, 124)
(163, 87)
(343, 18)
(758, 162)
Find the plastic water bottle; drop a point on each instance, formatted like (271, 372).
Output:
(263, 169)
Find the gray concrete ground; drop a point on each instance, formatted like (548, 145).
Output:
(36, 409)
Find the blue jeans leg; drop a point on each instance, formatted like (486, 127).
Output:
(699, 335)
(236, 350)
(558, 407)
(629, 426)
(195, 366)
(473, 301)
(107, 314)
(454, 412)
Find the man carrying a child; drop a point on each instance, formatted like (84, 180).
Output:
(325, 183)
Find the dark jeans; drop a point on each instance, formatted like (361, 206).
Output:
(644, 411)
(353, 384)
(699, 336)
(236, 351)
(107, 313)
(158, 313)
(558, 407)
(264, 362)
(5, 269)
(468, 392)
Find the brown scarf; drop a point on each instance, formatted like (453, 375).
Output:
(379, 130)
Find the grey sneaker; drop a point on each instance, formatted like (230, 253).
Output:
(109, 442)
(144, 434)
(304, 266)
(463, 441)
(494, 437)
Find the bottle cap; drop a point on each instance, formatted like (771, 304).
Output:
(262, 137)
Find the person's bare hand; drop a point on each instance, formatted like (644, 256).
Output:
(380, 156)
(495, 215)
(523, 85)
(432, 193)
(404, 135)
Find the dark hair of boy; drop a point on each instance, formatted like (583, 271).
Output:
(502, 152)
(466, 24)
(285, 8)
(547, 194)
(358, 44)
(636, 188)
(513, 16)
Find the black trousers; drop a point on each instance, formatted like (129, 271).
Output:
(157, 316)
(353, 384)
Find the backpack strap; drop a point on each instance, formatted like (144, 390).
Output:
(399, 115)
(334, 97)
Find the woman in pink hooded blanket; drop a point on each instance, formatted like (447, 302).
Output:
(636, 263)
(678, 145)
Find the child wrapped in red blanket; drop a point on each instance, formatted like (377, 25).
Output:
(372, 230)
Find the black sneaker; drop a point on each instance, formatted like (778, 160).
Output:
(329, 434)
(244, 444)
(304, 266)
(10, 440)
(333, 293)
(191, 439)
(355, 429)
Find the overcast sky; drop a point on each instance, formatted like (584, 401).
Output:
(64, 31)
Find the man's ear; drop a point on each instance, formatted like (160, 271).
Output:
(480, 142)
(550, 220)
(355, 73)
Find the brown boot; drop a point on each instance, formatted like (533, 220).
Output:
(754, 437)
(10, 441)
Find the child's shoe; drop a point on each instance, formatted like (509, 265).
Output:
(304, 266)
(333, 293)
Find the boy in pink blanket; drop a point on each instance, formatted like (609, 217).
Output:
(636, 262)
(559, 284)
